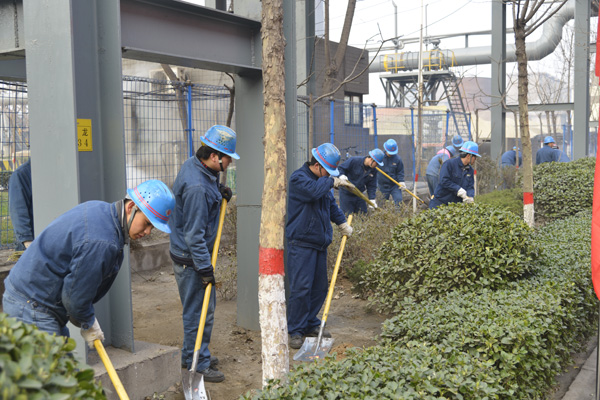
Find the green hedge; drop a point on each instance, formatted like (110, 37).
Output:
(563, 189)
(456, 246)
(36, 365)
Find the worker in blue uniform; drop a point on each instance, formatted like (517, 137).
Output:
(198, 197)
(562, 156)
(74, 261)
(509, 158)
(310, 211)
(457, 181)
(361, 172)
(432, 173)
(547, 153)
(457, 142)
(394, 167)
(20, 205)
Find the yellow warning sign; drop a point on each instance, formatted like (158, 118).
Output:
(84, 134)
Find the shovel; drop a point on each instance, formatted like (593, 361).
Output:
(317, 348)
(112, 374)
(403, 188)
(193, 384)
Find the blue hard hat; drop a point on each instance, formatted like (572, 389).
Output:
(470, 148)
(451, 150)
(156, 201)
(221, 138)
(514, 148)
(548, 139)
(390, 146)
(378, 156)
(457, 141)
(329, 157)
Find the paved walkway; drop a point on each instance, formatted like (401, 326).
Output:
(584, 385)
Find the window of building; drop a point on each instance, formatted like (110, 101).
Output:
(353, 109)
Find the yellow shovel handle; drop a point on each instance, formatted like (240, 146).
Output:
(354, 190)
(209, 286)
(335, 273)
(111, 370)
(403, 188)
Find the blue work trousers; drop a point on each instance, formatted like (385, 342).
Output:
(307, 276)
(19, 306)
(432, 182)
(191, 293)
(395, 192)
(351, 204)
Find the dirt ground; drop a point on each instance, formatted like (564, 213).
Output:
(157, 319)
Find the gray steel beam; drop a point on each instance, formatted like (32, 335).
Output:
(543, 107)
(12, 70)
(498, 117)
(581, 79)
(169, 31)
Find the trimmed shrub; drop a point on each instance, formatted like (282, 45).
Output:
(509, 199)
(563, 189)
(36, 365)
(455, 246)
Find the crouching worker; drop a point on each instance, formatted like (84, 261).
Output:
(457, 180)
(75, 260)
(311, 209)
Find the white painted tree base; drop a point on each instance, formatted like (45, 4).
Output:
(529, 214)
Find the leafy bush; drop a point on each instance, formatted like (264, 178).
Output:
(563, 189)
(489, 175)
(509, 199)
(4, 178)
(36, 365)
(455, 246)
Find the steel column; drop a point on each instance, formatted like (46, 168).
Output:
(581, 79)
(498, 115)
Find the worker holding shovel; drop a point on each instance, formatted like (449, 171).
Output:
(198, 197)
(361, 172)
(311, 209)
(394, 168)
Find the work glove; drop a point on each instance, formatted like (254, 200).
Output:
(402, 185)
(468, 200)
(27, 243)
(346, 229)
(225, 192)
(208, 276)
(93, 333)
(374, 206)
(461, 193)
(341, 180)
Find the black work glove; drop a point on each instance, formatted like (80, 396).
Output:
(208, 276)
(225, 192)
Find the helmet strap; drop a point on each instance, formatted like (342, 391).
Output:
(133, 211)
(221, 162)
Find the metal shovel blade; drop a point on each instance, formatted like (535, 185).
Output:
(311, 350)
(193, 386)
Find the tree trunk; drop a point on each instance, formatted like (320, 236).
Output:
(271, 292)
(528, 208)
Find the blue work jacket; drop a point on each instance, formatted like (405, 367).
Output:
(509, 158)
(359, 175)
(20, 202)
(546, 154)
(195, 219)
(435, 164)
(394, 167)
(73, 262)
(562, 156)
(311, 209)
(453, 176)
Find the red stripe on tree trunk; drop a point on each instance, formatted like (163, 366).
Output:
(270, 261)
(527, 198)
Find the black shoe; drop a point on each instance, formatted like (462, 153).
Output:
(315, 332)
(212, 375)
(214, 361)
(296, 341)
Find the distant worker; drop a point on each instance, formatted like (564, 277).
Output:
(198, 197)
(562, 156)
(73, 263)
(394, 167)
(457, 182)
(20, 205)
(361, 172)
(457, 142)
(547, 153)
(432, 173)
(310, 211)
(509, 158)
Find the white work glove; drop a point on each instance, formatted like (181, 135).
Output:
(89, 335)
(462, 193)
(346, 229)
(374, 206)
(341, 180)
(27, 243)
(402, 185)
(468, 200)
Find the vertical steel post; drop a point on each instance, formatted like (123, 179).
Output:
(447, 126)
(331, 120)
(469, 127)
(189, 129)
(375, 123)
(412, 142)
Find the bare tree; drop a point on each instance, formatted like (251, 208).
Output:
(528, 15)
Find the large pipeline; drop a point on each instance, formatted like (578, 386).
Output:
(551, 36)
